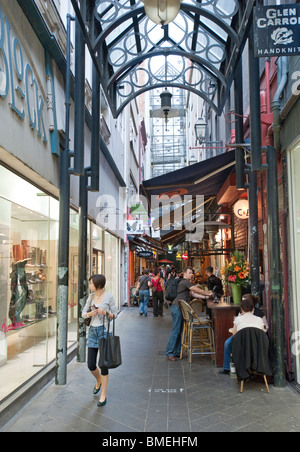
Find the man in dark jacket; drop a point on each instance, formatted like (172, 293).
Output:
(214, 283)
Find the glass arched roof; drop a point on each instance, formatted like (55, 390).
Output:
(207, 38)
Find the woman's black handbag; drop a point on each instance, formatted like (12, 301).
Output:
(110, 350)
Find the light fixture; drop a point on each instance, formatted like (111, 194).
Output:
(162, 11)
(200, 130)
(166, 111)
(193, 160)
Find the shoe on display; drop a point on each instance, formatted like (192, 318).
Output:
(44, 258)
(51, 311)
(26, 319)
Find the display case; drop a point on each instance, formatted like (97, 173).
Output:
(29, 229)
(30, 300)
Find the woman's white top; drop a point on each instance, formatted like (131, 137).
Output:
(108, 304)
(248, 320)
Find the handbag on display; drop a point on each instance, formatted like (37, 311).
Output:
(110, 350)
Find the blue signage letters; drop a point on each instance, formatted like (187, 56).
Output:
(18, 78)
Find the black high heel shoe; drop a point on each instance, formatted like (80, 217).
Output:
(95, 391)
(101, 403)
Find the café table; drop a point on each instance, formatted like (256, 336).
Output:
(223, 315)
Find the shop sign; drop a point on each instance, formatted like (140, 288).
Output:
(178, 257)
(241, 209)
(277, 30)
(18, 79)
(185, 257)
(145, 254)
(138, 209)
(135, 227)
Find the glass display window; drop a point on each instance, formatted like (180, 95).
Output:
(29, 225)
(294, 189)
(112, 265)
(98, 261)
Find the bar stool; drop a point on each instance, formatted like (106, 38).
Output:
(198, 306)
(198, 335)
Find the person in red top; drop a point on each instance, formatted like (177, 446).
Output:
(158, 288)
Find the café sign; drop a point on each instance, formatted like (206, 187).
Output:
(241, 209)
(277, 30)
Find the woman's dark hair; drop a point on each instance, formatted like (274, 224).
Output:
(248, 302)
(157, 271)
(99, 281)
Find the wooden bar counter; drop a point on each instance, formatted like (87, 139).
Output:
(222, 317)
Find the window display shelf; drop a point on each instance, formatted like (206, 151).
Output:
(42, 267)
(36, 327)
(39, 282)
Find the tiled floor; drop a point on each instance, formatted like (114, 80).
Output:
(150, 394)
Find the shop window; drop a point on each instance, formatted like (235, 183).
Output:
(294, 189)
(112, 270)
(28, 269)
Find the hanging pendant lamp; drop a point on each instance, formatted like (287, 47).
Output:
(166, 111)
(162, 11)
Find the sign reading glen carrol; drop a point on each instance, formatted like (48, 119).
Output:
(277, 30)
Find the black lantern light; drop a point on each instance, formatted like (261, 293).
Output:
(200, 130)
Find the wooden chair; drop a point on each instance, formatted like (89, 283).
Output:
(198, 335)
(186, 325)
(265, 379)
(198, 306)
(250, 354)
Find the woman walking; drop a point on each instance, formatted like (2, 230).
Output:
(99, 304)
(158, 288)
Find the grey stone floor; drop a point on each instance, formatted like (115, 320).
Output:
(150, 394)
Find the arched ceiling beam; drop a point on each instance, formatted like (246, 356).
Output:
(162, 85)
(184, 7)
(167, 52)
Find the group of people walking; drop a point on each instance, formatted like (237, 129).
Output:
(149, 282)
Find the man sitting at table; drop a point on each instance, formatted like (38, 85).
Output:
(250, 317)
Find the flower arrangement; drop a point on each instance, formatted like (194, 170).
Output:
(236, 270)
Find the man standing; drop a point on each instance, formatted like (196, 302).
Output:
(214, 283)
(185, 287)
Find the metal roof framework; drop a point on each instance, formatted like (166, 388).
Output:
(208, 36)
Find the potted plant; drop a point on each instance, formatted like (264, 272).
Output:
(236, 272)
